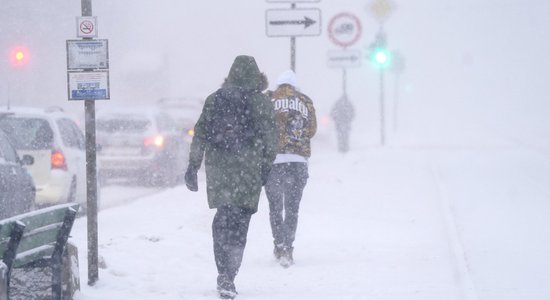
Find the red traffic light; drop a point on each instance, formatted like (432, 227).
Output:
(19, 56)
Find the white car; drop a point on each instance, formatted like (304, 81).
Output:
(142, 144)
(57, 145)
(185, 111)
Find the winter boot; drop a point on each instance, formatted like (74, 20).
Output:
(226, 287)
(278, 251)
(286, 259)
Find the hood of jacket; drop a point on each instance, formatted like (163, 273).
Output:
(245, 73)
(288, 77)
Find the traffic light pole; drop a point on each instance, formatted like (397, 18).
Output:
(382, 118)
(395, 101)
(382, 9)
(91, 175)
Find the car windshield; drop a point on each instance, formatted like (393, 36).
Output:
(28, 133)
(123, 124)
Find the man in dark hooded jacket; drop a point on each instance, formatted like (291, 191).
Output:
(234, 177)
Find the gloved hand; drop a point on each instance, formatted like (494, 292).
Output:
(191, 180)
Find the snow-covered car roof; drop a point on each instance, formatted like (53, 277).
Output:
(180, 102)
(34, 112)
(124, 112)
(185, 111)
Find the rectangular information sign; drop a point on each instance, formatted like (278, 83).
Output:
(88, 85)
(293, 22)
(87, 54)
(344, 58)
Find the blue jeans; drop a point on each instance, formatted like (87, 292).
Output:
(284, 189)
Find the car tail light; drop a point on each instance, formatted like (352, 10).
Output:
(58, 160)
(155, 140)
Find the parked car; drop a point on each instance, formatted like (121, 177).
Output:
(57, 145)
(185, 111)
(142, 144)
(17, 190)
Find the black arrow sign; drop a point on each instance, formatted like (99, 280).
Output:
(307, 22)
(352, 58)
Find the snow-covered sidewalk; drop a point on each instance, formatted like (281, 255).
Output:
(377, 223)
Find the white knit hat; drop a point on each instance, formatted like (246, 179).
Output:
(288, 77)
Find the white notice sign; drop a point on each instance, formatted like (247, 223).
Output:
(293, 22)
(344, 58)
(88, 85)
(87, 54)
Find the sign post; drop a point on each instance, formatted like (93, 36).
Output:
(293, 22)
(88, 80)
(344, 30)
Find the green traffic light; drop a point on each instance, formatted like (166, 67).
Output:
(381, 58)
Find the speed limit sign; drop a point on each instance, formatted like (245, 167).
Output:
(344, 29)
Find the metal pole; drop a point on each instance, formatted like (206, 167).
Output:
(293, 47)
(396, 102)
(293, 54)
(9, 93)
(86, 7)
(91, 192)
(344, 81)
(91, 175)
(382, 119)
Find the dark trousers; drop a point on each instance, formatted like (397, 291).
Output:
(342, 133)
(229, 231)
(284, 192)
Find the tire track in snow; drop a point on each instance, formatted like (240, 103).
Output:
(463, 276)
